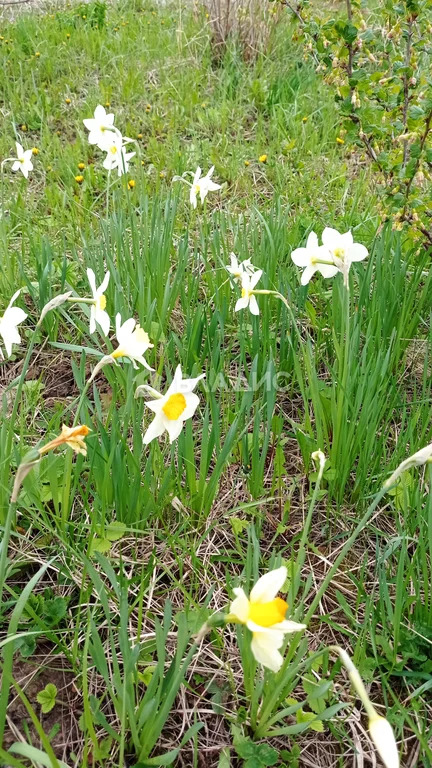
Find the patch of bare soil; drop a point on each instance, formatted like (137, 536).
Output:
(32, 675)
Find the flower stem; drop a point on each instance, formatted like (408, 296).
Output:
(343, 371)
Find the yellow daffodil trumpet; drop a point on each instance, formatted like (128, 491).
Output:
(263, 613)
(70, 436)
(73, 437)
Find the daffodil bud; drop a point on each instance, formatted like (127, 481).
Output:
(384, 740)
(423, 456)
(320, 459)
(57, 301)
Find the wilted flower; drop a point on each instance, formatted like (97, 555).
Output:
(23, 162)
(201, 185)
(247, 298)
(97, 309)
(172, 409)
(116, 156)
(12, 317)
(57, 301)
(423, 456)
(70, 436)
(264, 614)
(238, 269)
(133, 342)
(313, 258)
(101, 127)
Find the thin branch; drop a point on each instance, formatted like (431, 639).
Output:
(350, 45)
(426, 132)
(406, 88)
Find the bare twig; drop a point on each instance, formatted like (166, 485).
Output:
(406, 85)
(428, 126)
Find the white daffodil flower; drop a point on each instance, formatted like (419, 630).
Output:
(101, 127)
(238, 268)
(247, 298)
(116, 156)
(12, 317)
(423, 456)
(172, 409)
(264, 614)
(313, 258)
(343, 250)
(97, 309)
(201, 185)
(23, 162)
(133, 342)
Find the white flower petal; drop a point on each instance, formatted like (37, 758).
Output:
(307, 274)
(241, 303)
(240, 606)
(92, 327)
(301, 257)
(287, 627)
(327, 270)
(13, 316)
(255, 278)
(357, 252)
(15, 296)
(331, 238)
(312, 241)
(155, 429)
(347, 239)
(253, 306)
(103, 319)
(265, 647)
(104, 285)
(268, 586)
(156, 405)
(92, 281)
(173, 428)
(192, 403)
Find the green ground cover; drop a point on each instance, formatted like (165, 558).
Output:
(117, 558)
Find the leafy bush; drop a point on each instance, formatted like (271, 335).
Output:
(378, 62)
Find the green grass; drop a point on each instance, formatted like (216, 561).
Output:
(115, 608)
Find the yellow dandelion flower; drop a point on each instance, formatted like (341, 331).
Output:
(131, 183)
(35, 151)
(79, 179)
(339, 140)
(81, 166)
(68, 101)
(262, 158)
